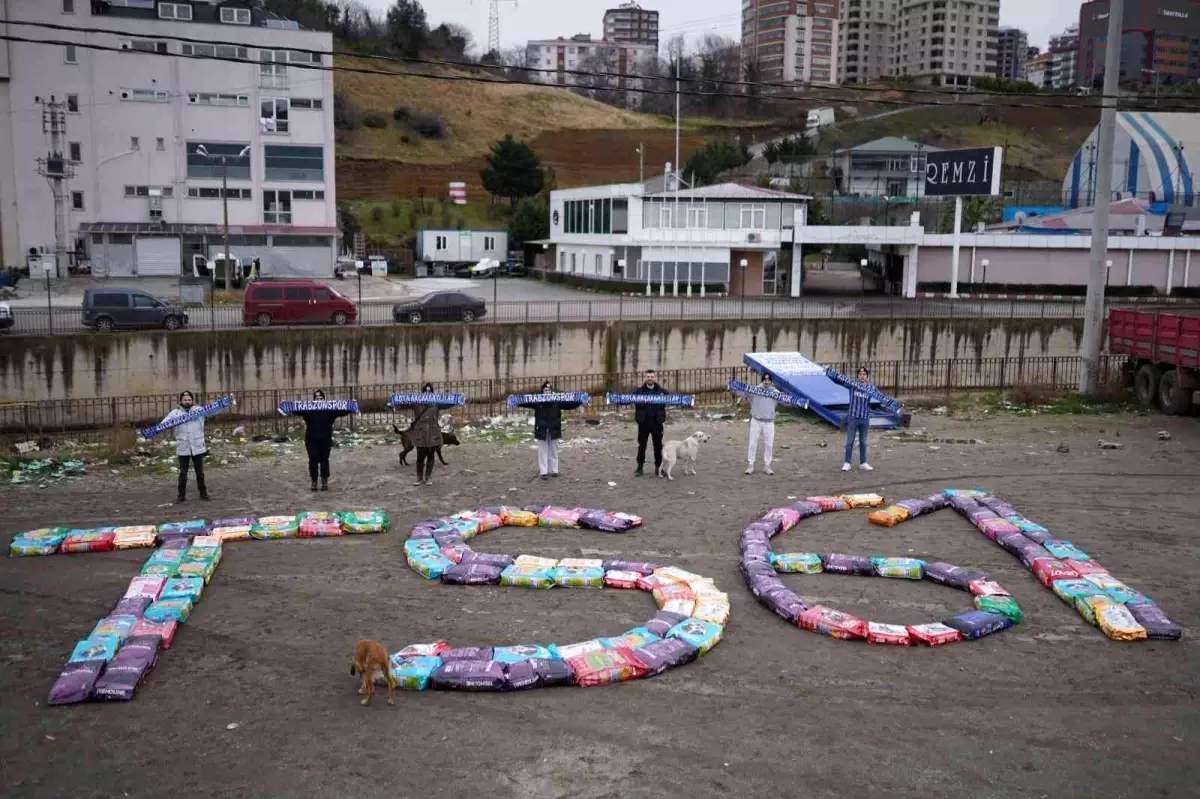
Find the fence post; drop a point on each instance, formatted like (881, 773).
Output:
(896, 376)
(1054, 372)
(526, 313)
(621, 306)
(589, 311)
(772, 310)
(1003, 372)
(949, 373)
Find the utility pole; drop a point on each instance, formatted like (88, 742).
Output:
(56, 170)
(641, 151)
(678, 67)
(224, 161)
(1093, 313)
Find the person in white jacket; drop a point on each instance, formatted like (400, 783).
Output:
(189, 446)
(762, 425)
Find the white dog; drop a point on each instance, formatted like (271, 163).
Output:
(686, 451)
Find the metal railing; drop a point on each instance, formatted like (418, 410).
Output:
(96, 418)
(40, 321)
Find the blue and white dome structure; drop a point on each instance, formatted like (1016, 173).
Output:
(1155, 156)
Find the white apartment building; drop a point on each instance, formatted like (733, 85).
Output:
(791, 41)
(866, 30)
(1064, 49)
(583, 54)
(144, 199)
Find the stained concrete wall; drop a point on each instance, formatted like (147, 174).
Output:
(93, 365)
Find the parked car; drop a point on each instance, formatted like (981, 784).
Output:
(129, 309)
(6, 316)
(440, 306)
(295, 302)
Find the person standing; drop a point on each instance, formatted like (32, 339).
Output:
(547, 430)
(762, 425)
(650, 420)
(426, 435)
(858, 417)
(318, 440)
(189, 446)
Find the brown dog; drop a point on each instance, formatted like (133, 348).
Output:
(370, 656)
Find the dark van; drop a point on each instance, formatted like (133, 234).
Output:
(129, 309)
(295, 302)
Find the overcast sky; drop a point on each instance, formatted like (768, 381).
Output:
(547, 19)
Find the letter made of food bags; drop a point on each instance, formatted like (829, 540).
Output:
(472, 574)
(977, 623)
(469, 675)
(666, 653)
(1154, 621)
(888, 634)
(605, 666)
(934, 634)
(128, 668)
(834, 623)
(75, 683)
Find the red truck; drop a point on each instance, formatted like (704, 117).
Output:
(1164, 355)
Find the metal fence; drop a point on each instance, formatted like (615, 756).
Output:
(97, 418)
(40, 321)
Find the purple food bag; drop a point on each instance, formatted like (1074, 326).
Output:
(467, 653)
(663, 621)
(472, 574)
(760, 584)
(951, 575)
(175, 541)
(964, 504)
(1030, 551)
(658, 656)
(486, 559)
(1157, 625)
(753, 537)
(1012, 542)
(630, 566)
(999, 507)
(753, 568)
(847, 564)
(978, 623)
(915, 507)
(469, 675)
(604, 521)
(244, 521)
(806, 508)
(132, 606)
(520, 676)
(756, 553)
(784, 602)
(75, 683)
(770, 525)
(128, 668)
(534, 508)
(552, 672)
(447, 538)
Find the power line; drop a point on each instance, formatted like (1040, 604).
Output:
(772, 87)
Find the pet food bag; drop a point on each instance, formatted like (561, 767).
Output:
(863, 500)
(521, 652)
(797, 562)
(951, 575)
(131, 606)
(1013, 543)
(787, 518)
(171, 556)
(183, 588)
(998, 506)
(99, 540)
(1088, 605)
(1104, 581)
(847, 564)
(486, 558)
(829, 504)
(1086, 568)
(972, 493)
(673, 591)
(1031, 530)
(522, 576)
(43, 541)
(1117, 622)
(75, 683)
(145, 587)
(421, 547)
(165, 630)
(534, 560)
(567, 651)
(134, 537)
(431, 567)
(485, 521)
(117, 626)
(515, 517)
(455, 549)
(127, 669)
(520, 676)
(713, 610)
(101, 647)
(1004, 605)
(605, 666)
(1119, 592)
(1065, 550)
(169, 610)
(465, 528)
(976, 624)
(703, 635)
(414, 673)
(180, 542)
(889, 634)
(630, 566)
(934, 634)
(889, 516)
(784, 602)
(662, 622)
(986, 588)
(434, 649)
(665, 653)
(318, 524)
(364, 522)
(467, 653)
(1029, 551)
(190, 528)
(551, 672)
(160, 571)
(603, 521)
(1154, 621)
(196, 568)
(631, 639)
(240, 533)
(236, 521)
(472, 574)
(1047, 570)
(996, 527)
(620, 579)
(834, 623)
(551, 516)
(275, 527)
(1072, 591)
(579, 573)
(904, 568)
(468, 675)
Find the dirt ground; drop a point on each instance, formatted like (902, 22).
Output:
(1049, 708)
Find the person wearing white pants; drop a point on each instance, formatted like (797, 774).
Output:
(547, 430)
(547, 456)
(762, 425)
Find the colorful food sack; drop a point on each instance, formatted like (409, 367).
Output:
(1072, 591)
(579, 573)
(1086, 568)
(784, 602)
(1047, 570)
(171, 556)
(465, 528)
(434, 649)
(472, 574)
(620, 579)
(834, 623)
(934, 634)
(1154, 621)
(630, 566)
(534, 560)
(485, 521)
(159, 571)
(183, 588)
(829, 504)
(1119, 592)
(468, 675)
(455, 549)
(977, 623)
(1031, 530)
(714, 610)
(662, 622)
(1088, 605)
(467, 653)
(45, 541)
(703, 635)
(551, 516)
(1029, 551)
(986, 588)
(1064, 550)
(127, 669)
(364, 522)
(1004, 605)
(131, 606)
(520, 676)
(421, 547)
(1013, 543)
(169, 610)
(665, 653)
(796, 562)
(995, 527)
(487, 558)
(904, 568)
(972, 493)
(567, 651)
(197, 568)
(889, 634)
(165, 630)
(431, 567)
(145, 587)
(99, 540)
(951, 575)
(863, 500)
(75, 683)
(604, 521)
(414, 673)
(318, 524)
(134, 537)
(605, 666)
(1117, 622)
(174, 542)
(786, 517)
(118, 627)
(521, 652)
(674, 591)
(95, 648)
(889, 516)
(805, 508)
(847, 564)
(631, 639)
(275, 527)
(515, 517)
(240, 533)
(522, 576)
(1104, 581)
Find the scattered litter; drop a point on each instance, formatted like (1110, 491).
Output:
(933, 448)
(718, 417)
(26, 447)
(1063, 448)
(46, 469)
(941, 410)
(1110, 445)
(611, 484)
(233, 725)
(823, 445)
(1163, 435)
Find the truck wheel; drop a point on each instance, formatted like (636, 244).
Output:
(1145, 384)
(1173, 398)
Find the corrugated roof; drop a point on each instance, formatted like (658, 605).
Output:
(892, 144)
(731, 191)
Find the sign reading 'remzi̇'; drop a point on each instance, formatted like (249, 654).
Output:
(968, 172)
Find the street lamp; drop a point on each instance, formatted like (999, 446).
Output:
(224, 161)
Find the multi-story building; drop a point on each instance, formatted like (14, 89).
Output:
(1160, 42)
(1063, 51)
(1038, 70)
(790, 41)
(1011, 47)
(631, 24)
(865, 38)
(582, 54)
(151, 126)
(946, 42)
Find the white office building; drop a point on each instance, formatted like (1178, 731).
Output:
(147, 125)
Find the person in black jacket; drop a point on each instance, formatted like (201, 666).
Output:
(547, 430)
(318, 440)
(650, 420)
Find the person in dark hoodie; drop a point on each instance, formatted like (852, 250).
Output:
(426, 435)
(547, 430)
(650, 420)
(318, 440)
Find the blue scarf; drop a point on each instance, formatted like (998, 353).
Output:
(769, 393)
(301, 406)
(528, 399)
(421, 398)
(685, 400)
(196, 413)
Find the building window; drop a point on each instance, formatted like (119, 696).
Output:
(213, 193)
(180, 11)
(69, 54)
(68, 6)
(293, 162)
(135, 143)
(202, 98)
(273, 69)
(235, 16)
(304, 57)
(144, 45)
(76, 151)
(439, 243)
(160, 144)
(73, 103)
(599, 263)
(215, 51)
(277, 207)
(77, 201)
(308, 194)
(489, 243)
(199, 166)
(620, 216)
(753, 217)
(307, 103)
(146, 95)
(274, 114)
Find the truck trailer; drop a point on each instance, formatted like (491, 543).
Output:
(1164, 356)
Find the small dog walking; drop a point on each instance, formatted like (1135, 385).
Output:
(687, 451)
(370, 657)
(449, 439)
